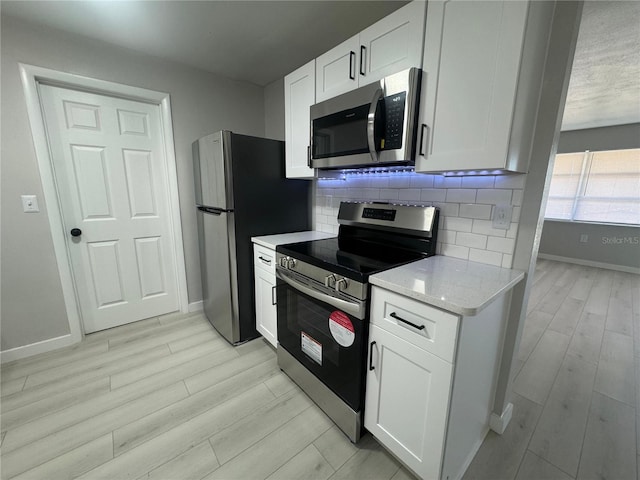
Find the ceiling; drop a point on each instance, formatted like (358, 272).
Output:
(261, 41)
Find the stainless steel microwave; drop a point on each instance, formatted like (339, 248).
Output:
(372, 125)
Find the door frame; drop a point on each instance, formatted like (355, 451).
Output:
(31, 76)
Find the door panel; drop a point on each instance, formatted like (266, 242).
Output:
(138, 169)
(108, 158)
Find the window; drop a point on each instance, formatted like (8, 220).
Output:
(601, 187)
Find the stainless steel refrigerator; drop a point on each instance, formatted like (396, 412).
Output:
(241, 192)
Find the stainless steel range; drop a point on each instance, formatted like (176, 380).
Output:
(323, 300)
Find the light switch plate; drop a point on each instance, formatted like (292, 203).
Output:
(30, 204)
(502, 216)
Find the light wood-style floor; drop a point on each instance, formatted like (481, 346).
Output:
(167, 398)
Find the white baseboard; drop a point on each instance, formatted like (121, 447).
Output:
(589, 263)
(36, 348)
(498, 423)
(196, 306)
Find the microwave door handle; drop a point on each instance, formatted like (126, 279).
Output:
(371, 121)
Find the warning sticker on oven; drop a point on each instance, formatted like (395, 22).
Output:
(311, 347)
(341, 328)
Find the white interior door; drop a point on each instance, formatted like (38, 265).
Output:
(108, 158)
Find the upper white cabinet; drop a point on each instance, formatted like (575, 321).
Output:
(480, 85)
(388, 46)
(299, 95)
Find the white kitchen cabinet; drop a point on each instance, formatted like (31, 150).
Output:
(483, 69)
(265, 297)
(407, 401)
(430, 385)
(299, 95)
(388, 46)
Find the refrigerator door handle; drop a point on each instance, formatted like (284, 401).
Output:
(214, 210)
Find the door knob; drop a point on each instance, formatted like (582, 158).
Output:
(76, 232)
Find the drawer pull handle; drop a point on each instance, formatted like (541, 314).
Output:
(371, 367)
(265, 260)
(419, 327)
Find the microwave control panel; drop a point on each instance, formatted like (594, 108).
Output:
(394, 107)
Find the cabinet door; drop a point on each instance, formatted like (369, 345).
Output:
(407, 401)
(392, 44)
(266, 316)
(299, 95)
(337, 70)
(471, 63)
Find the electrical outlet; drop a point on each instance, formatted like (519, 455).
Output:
(502, 216)
(30, 204)
(584, 238)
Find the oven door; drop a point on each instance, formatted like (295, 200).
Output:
(325, 332)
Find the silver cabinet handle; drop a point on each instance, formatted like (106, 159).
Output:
(273, 298)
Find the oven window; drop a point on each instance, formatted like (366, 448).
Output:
(305, 330)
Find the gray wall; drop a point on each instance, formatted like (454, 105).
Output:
(611, 244)
(32, 303)
(562, 238)
(274, 110)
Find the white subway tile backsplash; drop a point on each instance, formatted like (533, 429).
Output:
(478, 182)
(448, 209)
(471, 240)
(457, 224)
(484, 256)
(421, 181)
(502, 245)
(515, 216)
(409, 194)
(510, 181)
(516, 199)
(465, 203)
(494, 196)
(461, 195)
(389, 194)
(440, 181)
(447, 236)
(475, 211)
(433, 195)
(485, 227)
(454, 251)
(400, 181)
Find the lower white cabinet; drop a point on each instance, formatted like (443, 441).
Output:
(431, 380)
(265, 284)
(407, 401)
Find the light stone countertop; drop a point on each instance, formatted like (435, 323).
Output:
(271, 241)
(459, 286)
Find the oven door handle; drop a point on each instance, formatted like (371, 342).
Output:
(354, 309)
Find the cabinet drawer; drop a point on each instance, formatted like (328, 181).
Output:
(264, 258)
(435, 331)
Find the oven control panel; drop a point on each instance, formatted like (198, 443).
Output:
(379, 214)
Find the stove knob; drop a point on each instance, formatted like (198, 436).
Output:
(343, 281)
(330, 281)
(291, 263)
